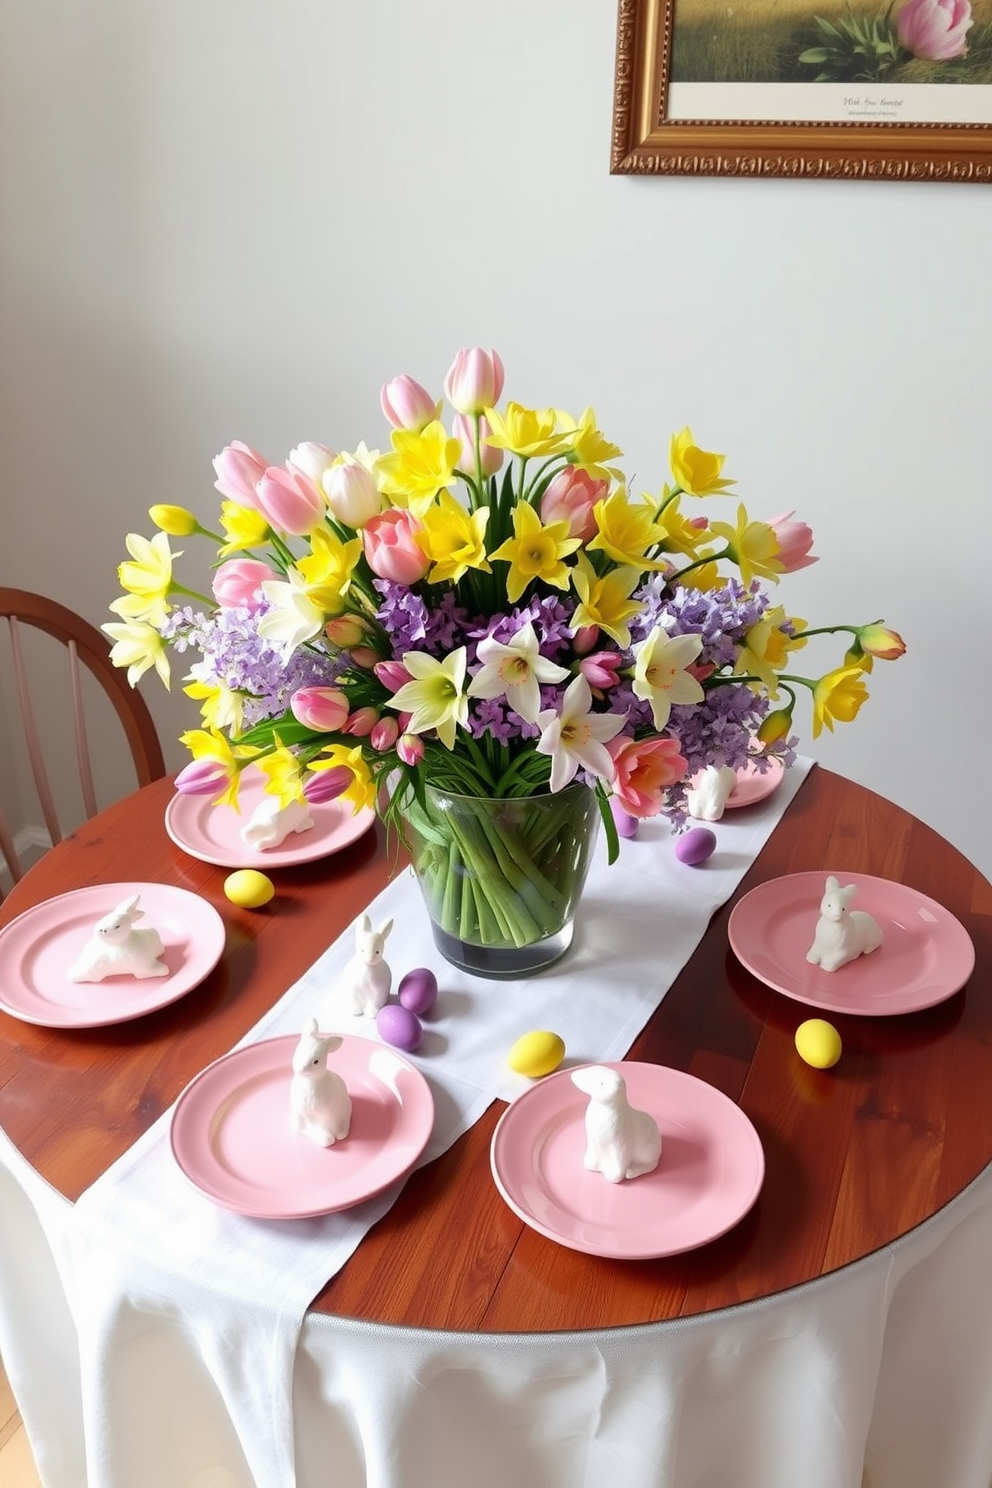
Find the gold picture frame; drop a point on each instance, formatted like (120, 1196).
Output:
(876, 136)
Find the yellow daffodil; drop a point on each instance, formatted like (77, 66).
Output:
(605, 601)
(361, 793)
(839, 695)
(775, 727)
(753, 546)
(422, 463)
(535, 551)
(453, 539)
(220, 708)
(704, 578)
(696, 470)
(175, 520)
(328, 569)
(294, 616)
(626, 529)
(281, 769)
(680, 534)
(211, 745)
(243, 526)
(147, 579)
(590, 449)
(138, 646)
(660, 675)
(767, 647)
(526, 431)
(435, 698)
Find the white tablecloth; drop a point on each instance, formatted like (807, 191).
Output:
(147, 1362)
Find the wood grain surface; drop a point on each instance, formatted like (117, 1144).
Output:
(855, 1156)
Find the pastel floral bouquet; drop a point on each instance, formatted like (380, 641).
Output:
(485, 612)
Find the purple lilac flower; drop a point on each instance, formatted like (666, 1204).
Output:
(550, 617)
(412, 626)
(235, 655)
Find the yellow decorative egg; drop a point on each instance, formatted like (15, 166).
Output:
(536, 1054)
(248, 888)
(818, 1042)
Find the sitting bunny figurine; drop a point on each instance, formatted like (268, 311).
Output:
(116, 948)
(319, 1103)
(621, 1142)
(709, 792)
(366, 980)
(842, 934)
(270, 824)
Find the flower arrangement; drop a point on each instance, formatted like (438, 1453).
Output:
(486, 611)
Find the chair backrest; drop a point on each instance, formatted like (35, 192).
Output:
(85, 647)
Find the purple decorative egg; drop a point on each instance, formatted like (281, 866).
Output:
(399, 1027)
(626, 824)
(695, 846)
(418, 990)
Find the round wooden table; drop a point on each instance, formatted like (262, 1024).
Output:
(855, 1156)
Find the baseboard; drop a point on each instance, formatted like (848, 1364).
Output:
(30, 843)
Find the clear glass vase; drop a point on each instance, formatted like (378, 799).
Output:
(501, 879)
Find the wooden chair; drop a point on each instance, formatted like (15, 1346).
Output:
(85, 647)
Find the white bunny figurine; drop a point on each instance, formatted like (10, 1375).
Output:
(116, 948)
(366, 980)
(842, 934)
(621, 1142)
(709, 792)
(270, 824)
(319, 1103)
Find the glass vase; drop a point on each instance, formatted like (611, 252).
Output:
(501, 879)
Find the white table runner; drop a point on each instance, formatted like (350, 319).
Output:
(147, 1242)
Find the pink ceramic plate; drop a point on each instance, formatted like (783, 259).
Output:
(756, 785)
(38, 949)
(926, 954)
(711, 1169)
(231, 1135)
(213, 833)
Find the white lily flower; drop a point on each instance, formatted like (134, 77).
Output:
(577, 736)
(138, 646)
(515, 671)
(294, 618)
(660, 677)
(435, 698)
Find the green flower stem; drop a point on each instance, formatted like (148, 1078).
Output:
(175, 588)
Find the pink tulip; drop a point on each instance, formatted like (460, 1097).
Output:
(326, 785)
(878, 640)
(407, 405)
(289, 501)
(311, 460)
(474, 381)
(322, 708)
(364, 656)
(393, 675)
(463, 429)
(391, 546)
(346, 631)
(352, 493)
(410, 748)
(239, 582)
(362, 722)
(644, 770)
(384, 735)
(239, 468)
(935, 30)
(600, 670)
(202, 777)
(584, 639)
(794, 542)
(570, 497)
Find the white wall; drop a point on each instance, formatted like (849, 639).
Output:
(234, 219)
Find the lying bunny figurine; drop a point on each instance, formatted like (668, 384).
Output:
(270, 824)
(710, 791)
(319, 1103)
(621, 1142)
(842, 934)
(116, 948)
(366, 980)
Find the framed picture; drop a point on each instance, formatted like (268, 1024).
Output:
(804, 88)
